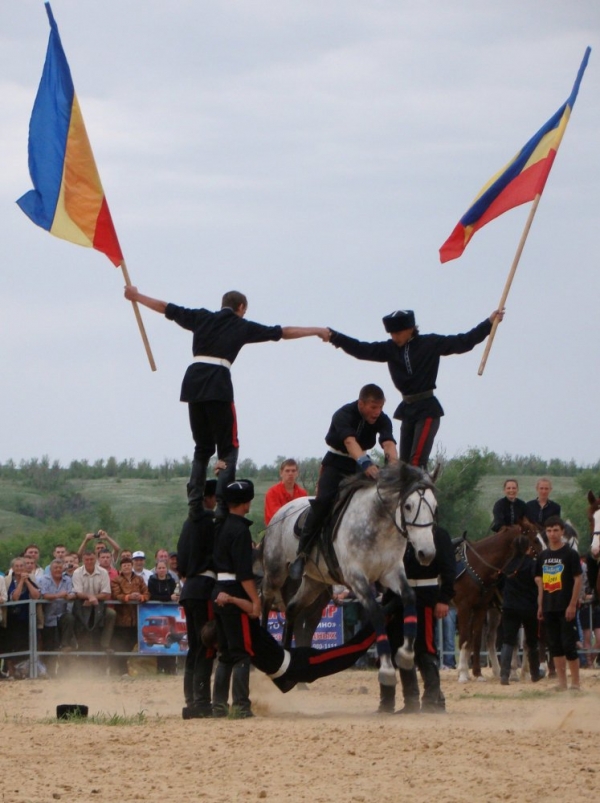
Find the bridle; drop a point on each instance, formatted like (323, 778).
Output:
(498, 570)
(420, 487)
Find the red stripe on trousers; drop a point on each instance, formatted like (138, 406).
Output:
(429, 640)
(247, 634)
(234, 430)
(328, 655)
(421, 442)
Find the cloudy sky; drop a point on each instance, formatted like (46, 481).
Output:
(314, 155)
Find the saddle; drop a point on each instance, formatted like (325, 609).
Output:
(326, 537)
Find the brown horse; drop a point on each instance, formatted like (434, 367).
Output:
(477, 586)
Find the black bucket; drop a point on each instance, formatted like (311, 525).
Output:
(68, 710)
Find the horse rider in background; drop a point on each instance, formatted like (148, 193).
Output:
(353, 432)
(413, 361)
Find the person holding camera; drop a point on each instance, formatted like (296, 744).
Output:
(98, 538)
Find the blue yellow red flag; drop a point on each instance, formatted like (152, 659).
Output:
(520, 181)
(67, 199)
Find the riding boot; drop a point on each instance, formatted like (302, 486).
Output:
(410, 691)
(315, 518)
(221, 689)
(224, 477)
(534, 665)
(387, 699)
(433, 700)
(506, 654)
(240, 689)
(195, 488)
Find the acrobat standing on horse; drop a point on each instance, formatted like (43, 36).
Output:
(413, 361)
(353, 432)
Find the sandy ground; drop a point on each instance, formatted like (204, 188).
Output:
(521, 742)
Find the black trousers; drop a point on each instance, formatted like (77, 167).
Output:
(561, 635)
(241, 637)
(199, 659)
(426, 658)
(416, 440)
(214, 428)
(512, 621)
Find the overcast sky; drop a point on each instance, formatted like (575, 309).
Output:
(314, 155)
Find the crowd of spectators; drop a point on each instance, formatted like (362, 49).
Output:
(76, 589)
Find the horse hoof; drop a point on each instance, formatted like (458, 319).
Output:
(387, 677)
(463, 678)
(405, 661)
(481, 679)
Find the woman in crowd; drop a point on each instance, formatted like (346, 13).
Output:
(161, 587)
(127, 588)
(509, 509)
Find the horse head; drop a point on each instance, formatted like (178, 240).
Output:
(594, 519)
(416, 511)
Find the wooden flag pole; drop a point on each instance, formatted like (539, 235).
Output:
(511, 276)
(138, 316)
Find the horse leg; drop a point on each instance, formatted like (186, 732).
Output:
(405, 655)
(465, 617)
(492, 635)
(478, 622)
(364, 594)
(304, 597)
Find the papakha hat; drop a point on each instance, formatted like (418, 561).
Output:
(398, 320)
(238, 492)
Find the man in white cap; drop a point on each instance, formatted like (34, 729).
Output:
(139, 560)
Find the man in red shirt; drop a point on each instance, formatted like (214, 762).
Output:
(286, 490)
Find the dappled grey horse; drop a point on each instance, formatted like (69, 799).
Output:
(369, 542)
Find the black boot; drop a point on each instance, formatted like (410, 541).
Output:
(433, 701)
(220, 704)
(506, 654)
(387, 699)
(410, 692)
(534, 665)
(240, 689)
(312, 525)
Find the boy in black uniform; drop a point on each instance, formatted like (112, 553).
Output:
(413, 362)
(195, 564)
(207, 387)
(353, 431)
(558, 576)
(434, 590)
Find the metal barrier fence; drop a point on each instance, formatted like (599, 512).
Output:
(34, 653)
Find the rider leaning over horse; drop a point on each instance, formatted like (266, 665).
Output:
(353, 431)
(413, 362)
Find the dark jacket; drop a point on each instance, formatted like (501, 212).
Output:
(507, 513)
(441, 568)
(216, 334)
(414, 366)
(195, 557)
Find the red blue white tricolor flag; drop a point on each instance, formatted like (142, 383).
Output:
(67, 199)
(520, 181)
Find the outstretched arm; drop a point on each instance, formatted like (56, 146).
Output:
(294, 332)
(133, 294)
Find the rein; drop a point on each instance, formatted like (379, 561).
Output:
(416, 487)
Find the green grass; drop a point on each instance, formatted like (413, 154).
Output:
(101, 718)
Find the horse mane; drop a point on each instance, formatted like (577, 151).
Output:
(393, 480)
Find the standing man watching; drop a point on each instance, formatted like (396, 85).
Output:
(207, 387)
(287, 489)
(558, 576)
(353, 432)
(413, 361)
(91, 586)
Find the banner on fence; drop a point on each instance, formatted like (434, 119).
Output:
(329, 632)
(162, 630)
